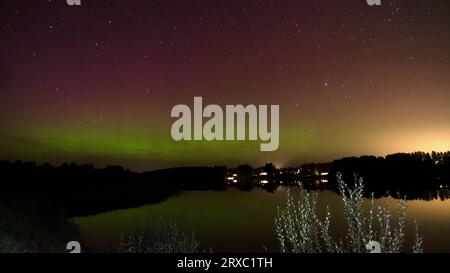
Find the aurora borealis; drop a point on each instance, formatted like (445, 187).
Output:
(96, 83)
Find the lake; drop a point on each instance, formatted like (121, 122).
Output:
(243, 221)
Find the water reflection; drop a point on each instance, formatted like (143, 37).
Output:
(234, 220)
(434, 192)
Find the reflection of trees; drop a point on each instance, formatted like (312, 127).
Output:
(419, 175)
(271, 187)
(85, 190)
(438, 192)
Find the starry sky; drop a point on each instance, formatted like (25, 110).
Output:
(96, 83)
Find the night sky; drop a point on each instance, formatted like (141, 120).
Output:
(96, 83)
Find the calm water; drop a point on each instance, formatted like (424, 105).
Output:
(237, 221)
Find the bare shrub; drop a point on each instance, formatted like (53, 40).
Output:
(300, 230)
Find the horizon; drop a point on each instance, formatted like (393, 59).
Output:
(99, 166)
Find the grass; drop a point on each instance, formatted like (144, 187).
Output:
(300, 230)
(8, 244)
(30, 231)
(165, 237)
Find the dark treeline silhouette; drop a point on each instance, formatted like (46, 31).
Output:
(396, 172)
(85, 190)
(189, 178)
(416, 175)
